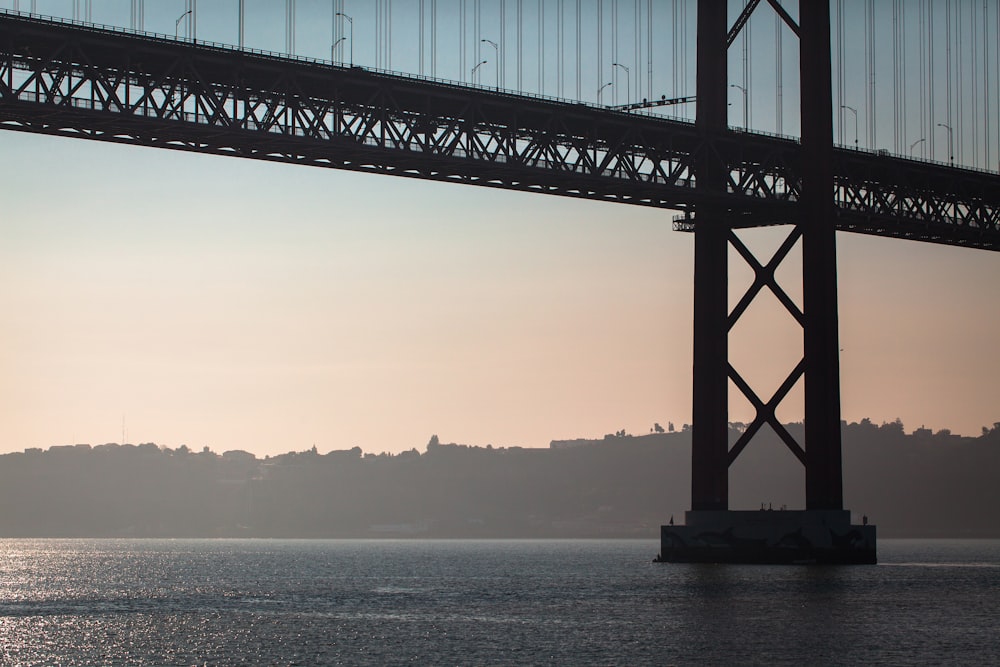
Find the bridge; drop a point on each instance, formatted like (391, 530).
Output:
(76, 79)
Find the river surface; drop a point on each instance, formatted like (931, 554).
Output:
(383, 602)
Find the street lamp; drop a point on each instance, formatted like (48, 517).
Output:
(628, 82)
(472, 75)
(177, 23)
(746, 115)
(951, 151)
(496, 48)
(600, 90)
(350, 35)
(914, 144)
(333, 49)
(855, 112)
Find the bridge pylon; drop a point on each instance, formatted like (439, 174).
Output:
(822, 532)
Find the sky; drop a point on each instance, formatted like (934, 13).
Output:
(157, 296)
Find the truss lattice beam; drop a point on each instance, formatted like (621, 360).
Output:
(70, 80)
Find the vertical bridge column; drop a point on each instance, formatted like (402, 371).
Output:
(710, 412)
(822, 532)
(824, 485)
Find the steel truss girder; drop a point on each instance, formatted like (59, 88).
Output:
(98, 84)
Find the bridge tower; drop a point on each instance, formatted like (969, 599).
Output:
(822, 532)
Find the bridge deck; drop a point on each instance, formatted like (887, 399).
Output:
(88, 82)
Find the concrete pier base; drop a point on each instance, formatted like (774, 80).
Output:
(768, 537)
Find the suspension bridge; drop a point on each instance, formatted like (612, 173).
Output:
(721, 165)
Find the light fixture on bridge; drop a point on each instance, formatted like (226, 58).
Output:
(333, 49)
(855, 112)
(746, 114)
(628, 82)
(350, 37)
(472, 74)
(601, 90)
(177, 23)
(497, 49)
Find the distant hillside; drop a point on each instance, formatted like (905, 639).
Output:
(913, 485)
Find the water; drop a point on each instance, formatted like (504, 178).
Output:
(181, 602)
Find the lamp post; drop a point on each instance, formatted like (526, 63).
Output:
(177, 23)
(913, 145)
(350, 35)
(746, 115)
(600, 90)
(951, 148)
(333, 49)
(496, 48)
(472, 75)
(628, 82)
(855, 112)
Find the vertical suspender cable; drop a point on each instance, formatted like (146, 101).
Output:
(840, 69)
(637, 60)
(684, 48)
(420, 29)
(613, 76)
(986, 87)
(897, 87)
(502, 51)
(931, 125)
(959, 81)
(541, 47)
(870, 25)
(579, 52)
(749, 73)
(520, 32)
(974, 34)
(779, 70)
(674, 59)
(745, 34)
(947, 62)
(600, 45)
(649, 49)
(899, 70)
(559, 47)
(462, 70)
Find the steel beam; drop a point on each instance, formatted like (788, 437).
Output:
(824, 488)
(710, 409)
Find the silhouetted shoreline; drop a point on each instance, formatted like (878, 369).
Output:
(920, 484)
